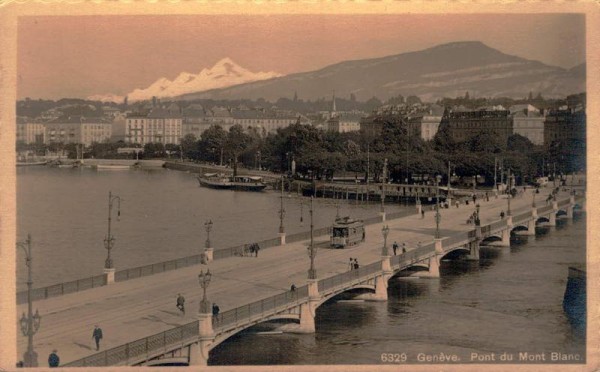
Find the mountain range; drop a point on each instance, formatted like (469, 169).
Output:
(447, 70)
(224, 73)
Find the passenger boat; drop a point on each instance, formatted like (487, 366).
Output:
(238, 183)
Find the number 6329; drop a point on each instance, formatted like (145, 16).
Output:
(393, 357)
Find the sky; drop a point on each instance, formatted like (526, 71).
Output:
(78, 56)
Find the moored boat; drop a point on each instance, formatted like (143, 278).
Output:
(112, 167)
(239, 183)
(30, 163)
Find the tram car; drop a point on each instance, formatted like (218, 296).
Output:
(347, 232)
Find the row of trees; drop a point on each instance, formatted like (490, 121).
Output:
(321, 154)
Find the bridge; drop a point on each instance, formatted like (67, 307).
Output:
(141, 323)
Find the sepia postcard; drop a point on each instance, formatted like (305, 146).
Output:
(362, 186)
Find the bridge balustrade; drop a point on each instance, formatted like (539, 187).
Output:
(544, 209)
(563, 202)
(497, 225)
(143, 349)
(62, 288)
(457, 238)
(404, 260)
(522, 217)
(243, 314)
(346, 278)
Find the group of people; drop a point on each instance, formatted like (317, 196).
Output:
(353, 264)
(253, 249)
(395, 247)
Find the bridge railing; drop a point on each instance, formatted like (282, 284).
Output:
(521, 217)
(544, 209)
(347, 277)
(268, 305)
(563, 202)
(404, 260)
(142, 349)
(62, 288)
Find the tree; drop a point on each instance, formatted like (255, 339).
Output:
(517, 142)
(413, 100)
(189, 147)
(236, 142)
(212, 144)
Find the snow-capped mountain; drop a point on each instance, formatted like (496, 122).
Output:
(223, 74)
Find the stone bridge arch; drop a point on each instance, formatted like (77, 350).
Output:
(491, 239)
(542, 220)
(519, 228)
(455, 252)
(337, 292)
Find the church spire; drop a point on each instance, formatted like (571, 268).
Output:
(333, 110)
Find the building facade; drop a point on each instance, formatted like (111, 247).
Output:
(160, 125)
(77, 129)
(464, 125)
(29, 132)
(564, 125)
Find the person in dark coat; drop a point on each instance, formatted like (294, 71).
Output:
(403, 247)
(181, 303)
(256, 249)
(215, 309)
(53, 359)
(395, 247)
(356, 266)
(97, 336)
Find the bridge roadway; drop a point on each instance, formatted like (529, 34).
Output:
(134, 309)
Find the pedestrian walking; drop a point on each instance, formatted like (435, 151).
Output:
(395, 247)
(53, 359)
(422, 213)
(215, 309)
(356, 266)
(457, 203)
(256, 249)
(502, 215)
(97, 336)
(403, 247)
(487, 196)
(181, 303)
(293, 288)
(351, 263)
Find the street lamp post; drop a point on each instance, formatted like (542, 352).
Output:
(204, 280)
(312, 272)
(281, 210)
(438, 217)
(208, 227)
(30, 323)
(533, 201)
(508, 194)
(109, 240)
(477, 220)
(383, 179)
(385, 231)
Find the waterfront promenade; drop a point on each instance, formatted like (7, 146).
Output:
(134, 309)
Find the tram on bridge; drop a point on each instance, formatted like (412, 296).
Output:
(347, 232)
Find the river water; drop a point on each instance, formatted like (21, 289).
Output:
(509, 304)
(162, 218)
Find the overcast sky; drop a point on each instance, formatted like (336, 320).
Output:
(80, 56)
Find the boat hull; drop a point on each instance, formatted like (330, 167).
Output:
(228, 185)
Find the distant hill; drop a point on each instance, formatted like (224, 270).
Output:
(447, 70)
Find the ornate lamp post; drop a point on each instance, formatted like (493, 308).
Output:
(508, 193)
(477, 220)
(438, 217)
(533, 201)
(385, 231)
(30, 323)
(312, 252)
(208, 227)
(383, 181)
(204, 280)
(109, 240)
(281, 210)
